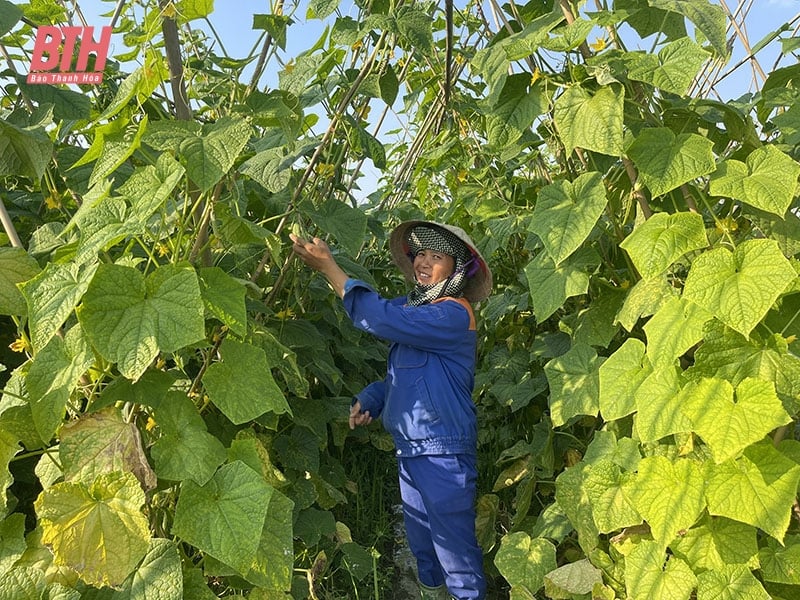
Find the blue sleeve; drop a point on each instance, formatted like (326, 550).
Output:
(431, 327)
(372, 398)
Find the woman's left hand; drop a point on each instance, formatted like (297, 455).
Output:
(317, 255)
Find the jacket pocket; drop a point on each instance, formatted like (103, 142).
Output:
(408, 357)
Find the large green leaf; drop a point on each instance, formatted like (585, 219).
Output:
(53, 375)
(612, 509)
(347, 224)
(223, 297)
(524, 561)
(519, 104)
(673, 69)
(578, 577)
(666, 161)
(645, 299)
(207, 152)
(16, 266)
(149, 187)
(766, 181)
(225, 517)
(728, 355)
(10, 14)
(731, 419)
(758, 488)
(23, 583)
(129, 318)
(414, 27)
(158, 577)
(185, 449)
(52, 296)
(661, 240)
(658, 410)
(98, 528)
(708, 18)
(241, 384)
(650, 575)
(12, 540)
(673, 330)
(739, 287)
(574, 383)
(620, 377)
(669, 495)
(550, 286)
(108, 223)
(269, 168)
(731, 582)
(24, 152)
(779, 563)
(101, 442)
(716, 543)
(9, 446)
(273, 565)
(566, 212)
(573, 499)
(577, 112)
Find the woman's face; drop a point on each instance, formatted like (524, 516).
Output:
(432, 267)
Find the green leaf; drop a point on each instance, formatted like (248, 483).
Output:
(104, 226)
(669, 495)
(269, 168)
(53, 375)
(739, 287)
(659, 413)
(8, 449)
(24, 152)
(550, 286)
(149, 187)
(67, 104)
(275, 25)
(96, 529)
(729, 420)
(139, 84)
(758, 488)
(23, 583)
(117, 144)
(414, 27)
(524, 561)
(158, 577)
(661, 240)
(573, 578)
(207, 152)
(604, 482)
(274, 563)
(189, 10)
(644, 299)
(347, 224)
(12, 538)
(52, 296)
(225, 517)
(673, 330)
(577, 112)
(10, 14)
(666, 161)
(185, 449)
(573, 500)
(767, 181)
(731, 582)
(389, 85)
(710, 19)
(223, 297)
(16, 266)
(620, 377)
(102, 442)
(241, 384)
(650, 575)
(129, 318)
(717, 543)
(574, 383)
(518, 105)
(781, 563)
(673, 69)
(566, 212)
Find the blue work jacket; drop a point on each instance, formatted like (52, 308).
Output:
(425, 401)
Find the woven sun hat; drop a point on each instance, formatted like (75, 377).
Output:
(479, 282)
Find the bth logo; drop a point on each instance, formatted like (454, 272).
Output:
(55, 47)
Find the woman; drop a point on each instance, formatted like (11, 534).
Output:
(425, 401)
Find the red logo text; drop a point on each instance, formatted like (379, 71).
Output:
(55, 49)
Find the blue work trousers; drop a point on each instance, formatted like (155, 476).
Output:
(438, 494)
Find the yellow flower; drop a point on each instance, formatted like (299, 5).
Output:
(21, 344)
(599, 44)
(287, 313)
(325, 169)
(536, 75)
(162, 249)
(151, 424)
(52, 202)
(169, 11)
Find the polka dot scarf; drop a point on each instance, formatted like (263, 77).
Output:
(437, 239)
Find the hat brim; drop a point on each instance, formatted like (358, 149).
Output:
(478, 287)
